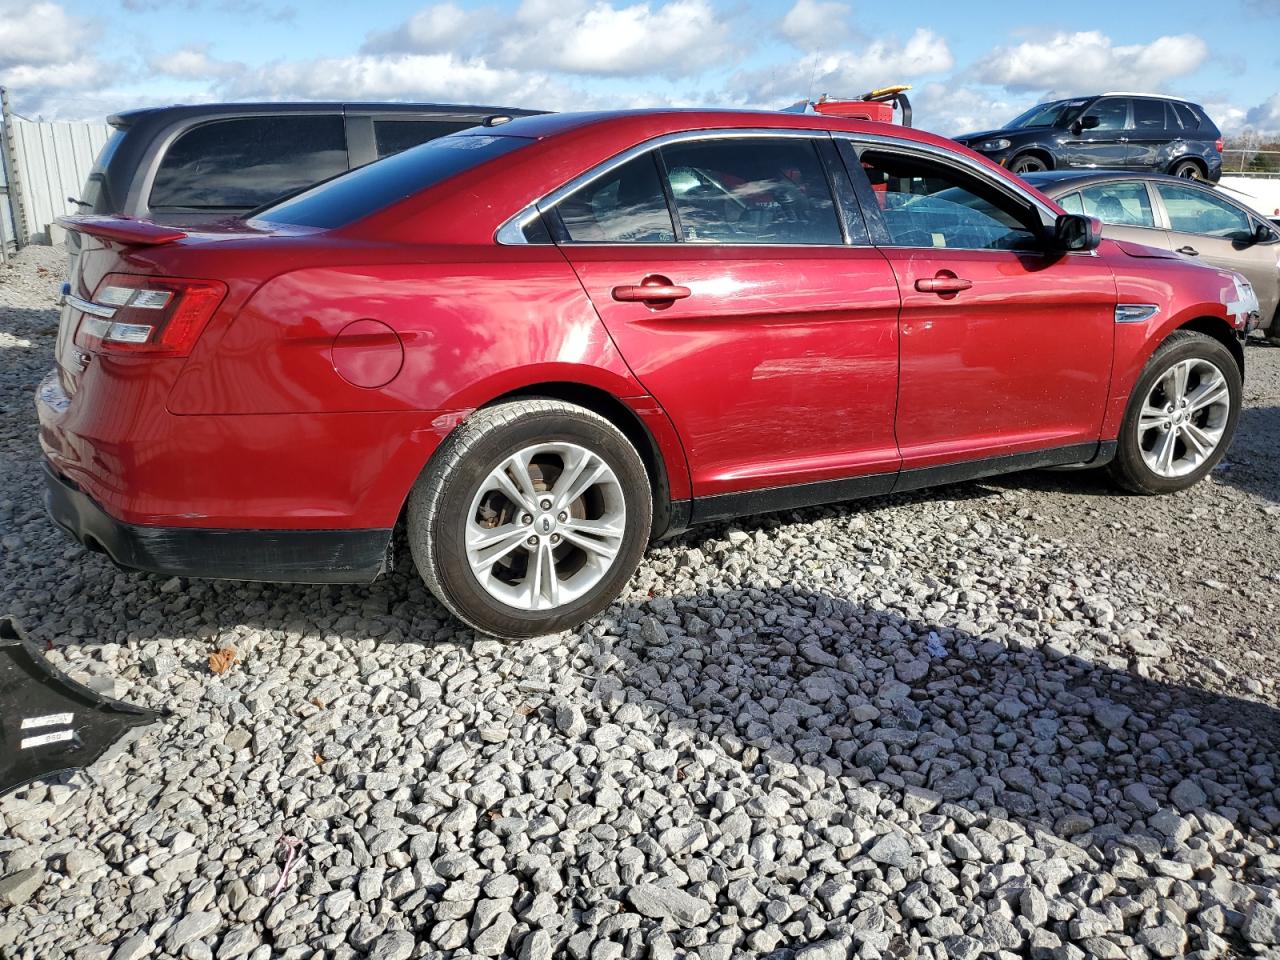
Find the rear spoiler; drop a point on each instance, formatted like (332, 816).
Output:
(122, 230)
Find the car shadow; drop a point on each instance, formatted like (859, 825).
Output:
(986, 736)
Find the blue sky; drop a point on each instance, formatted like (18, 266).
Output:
(972, 65)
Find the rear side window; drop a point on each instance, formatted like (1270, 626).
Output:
(96, 191)
(769, 191)
(1124, 204)
(383, 182)
(625, 205)
(393, 136)
(244, 162)
(1148, 115)
(1186, 116)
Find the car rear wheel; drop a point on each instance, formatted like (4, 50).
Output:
(1181, 416)
(530, 518)
(1188, 170)
(1027, 163)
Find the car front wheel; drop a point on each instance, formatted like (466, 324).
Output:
(1027, 163)
(1181, 416)
(531, 517)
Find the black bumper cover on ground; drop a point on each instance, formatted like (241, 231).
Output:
(282, 556)
(50, 724)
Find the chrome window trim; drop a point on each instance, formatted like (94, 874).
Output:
(511, 233)
(512, 228)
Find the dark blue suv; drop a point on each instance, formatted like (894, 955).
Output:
(1111, 131)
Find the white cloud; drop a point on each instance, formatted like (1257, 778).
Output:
(1265, 117)
(432, 77)
(192, 63)
(42, 33)
(816, 24)
(1078, 62)
(847, 73)
(949, 109)
(603, 40)
(435, 29)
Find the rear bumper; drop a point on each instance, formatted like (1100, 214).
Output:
(284, 556)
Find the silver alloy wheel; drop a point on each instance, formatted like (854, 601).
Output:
(1183, 417)
(545, 526)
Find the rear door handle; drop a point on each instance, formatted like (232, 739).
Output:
(943, 284)
(652, 289)
(1189, 251)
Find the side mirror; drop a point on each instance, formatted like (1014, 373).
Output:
(1083, 124)
(1073, 233)
(1262, 233)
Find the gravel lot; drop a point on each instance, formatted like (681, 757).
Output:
(1025, 718)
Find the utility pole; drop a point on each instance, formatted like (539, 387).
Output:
(12, 176)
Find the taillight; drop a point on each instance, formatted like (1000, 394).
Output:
(163, 316)
(1218, 143)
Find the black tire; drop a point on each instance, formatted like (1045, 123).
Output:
(1128, 469)
(1027, 163)
(442, 497)
(1187, 170)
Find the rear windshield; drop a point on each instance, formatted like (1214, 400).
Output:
(361, 192)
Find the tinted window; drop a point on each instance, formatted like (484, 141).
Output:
(392, 136)
(928, 204)
(383, 182)
(771, 190)
(1149, 115)
(1193, 211)
(96, 191)
(1126, 204)
(625, 205)
(1053, 114)
(248, 161)
(1112, 114)
(1186, 116)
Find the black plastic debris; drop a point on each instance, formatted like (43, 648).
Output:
(49, 723)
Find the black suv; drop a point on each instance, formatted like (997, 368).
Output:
(1113, 131)
(187, 164)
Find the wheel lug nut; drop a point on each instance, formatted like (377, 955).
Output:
(563, 516)
(532, 541)
(526, 519)
(555, 538)
(546, 504)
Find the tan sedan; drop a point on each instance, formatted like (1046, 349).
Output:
(1176, 214)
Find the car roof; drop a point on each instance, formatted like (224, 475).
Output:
(196, 110)
(1048, 179)
(638, 125)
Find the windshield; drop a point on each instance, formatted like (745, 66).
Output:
(1055, 114)
(351, 196)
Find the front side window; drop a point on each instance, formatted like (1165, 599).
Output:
(1193, 211)
(1112, 114)
(1148, 115)
(1124, 204)
(1071, 203)
(770, 190)
(927, 203)
(624, 205)
(395, 135)
(244, 162)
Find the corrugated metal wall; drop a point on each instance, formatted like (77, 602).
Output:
(7, 233)
(53, 160)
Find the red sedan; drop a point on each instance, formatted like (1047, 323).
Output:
(541, 344)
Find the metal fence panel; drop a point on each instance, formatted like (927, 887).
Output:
(54, 159)
(8, 235)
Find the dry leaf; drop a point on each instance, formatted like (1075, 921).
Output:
(319, 759)
(220, 661)
(317, 702)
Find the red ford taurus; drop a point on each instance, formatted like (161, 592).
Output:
(542, 344)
